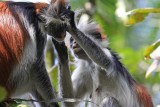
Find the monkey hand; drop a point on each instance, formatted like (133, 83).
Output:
(68, 14)
(61, 50)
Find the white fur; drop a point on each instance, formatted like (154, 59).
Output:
(82, 80)
(99, 76)
(110, 86)
(21, 73)
(30, 29)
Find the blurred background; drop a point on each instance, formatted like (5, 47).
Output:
(129, 42)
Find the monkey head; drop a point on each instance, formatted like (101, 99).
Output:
(76, 50)
(54, 19)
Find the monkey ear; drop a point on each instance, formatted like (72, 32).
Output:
(59, 5)
(53, 11)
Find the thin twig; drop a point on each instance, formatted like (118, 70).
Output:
(68, 100)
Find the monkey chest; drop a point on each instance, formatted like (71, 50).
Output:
(100, 88)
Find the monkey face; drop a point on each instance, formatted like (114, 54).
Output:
(77, 50)
(57, 30)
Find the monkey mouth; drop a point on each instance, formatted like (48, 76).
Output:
(76, 49)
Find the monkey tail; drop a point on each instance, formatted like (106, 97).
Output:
(143, 96)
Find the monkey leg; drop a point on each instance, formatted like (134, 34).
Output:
(43, 84)
(38, 97)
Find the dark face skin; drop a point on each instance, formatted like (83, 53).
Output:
(77, 50)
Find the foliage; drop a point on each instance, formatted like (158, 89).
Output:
(136, 17)
(3, 93)
(150, 49)
(152, 52)
(139, 15)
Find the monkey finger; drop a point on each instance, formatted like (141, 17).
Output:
(66, 13)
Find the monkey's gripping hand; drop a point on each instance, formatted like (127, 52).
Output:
(61, 51)
(69, 14)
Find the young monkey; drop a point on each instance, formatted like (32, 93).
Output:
(98, 73)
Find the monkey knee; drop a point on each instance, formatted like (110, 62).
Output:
(109, 102)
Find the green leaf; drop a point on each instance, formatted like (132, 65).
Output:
(147, 10)
(150, 49)
(3, 93)
(139, 15)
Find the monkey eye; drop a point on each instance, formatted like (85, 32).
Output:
(71, 39)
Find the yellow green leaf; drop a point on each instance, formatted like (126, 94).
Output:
(3, 93)
(150, 49)
(135, 18)
(147, 10)
(139, 15)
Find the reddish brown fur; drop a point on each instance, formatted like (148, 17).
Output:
(143, 96)
(40, 6)
(13, 37)
(103, 36)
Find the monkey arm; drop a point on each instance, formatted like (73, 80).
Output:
(81, 78)
(101, 56)
(64, 76)
(97, 53)
(42, 83)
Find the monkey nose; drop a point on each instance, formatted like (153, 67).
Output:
(74, 42)
(75, 45)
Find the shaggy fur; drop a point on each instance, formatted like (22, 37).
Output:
(100, 75)
(23, 29)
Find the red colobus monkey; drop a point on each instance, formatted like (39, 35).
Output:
(23, 29)
(99, 73)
